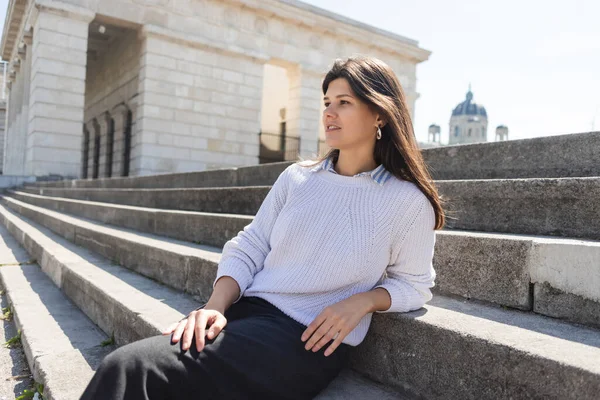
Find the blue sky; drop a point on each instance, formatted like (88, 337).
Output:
(534, 65)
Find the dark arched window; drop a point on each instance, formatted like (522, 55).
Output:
(109, 147)
(127, 143)
(96, 151)
(85, 153)
(455, 131)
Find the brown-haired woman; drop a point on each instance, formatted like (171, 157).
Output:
(335, 240)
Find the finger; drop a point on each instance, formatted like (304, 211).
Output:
(216, 328)
(179, 331)
(188, 332)
(326, 338)
(337, 341)
(200, 328)
(170, 328)
(313, 327)
(323, 329)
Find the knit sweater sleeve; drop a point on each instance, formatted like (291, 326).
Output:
(243, 255)
(409, 279)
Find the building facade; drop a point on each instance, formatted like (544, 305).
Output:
(468, 123)
(105, 88)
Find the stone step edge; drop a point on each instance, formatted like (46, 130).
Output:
(235, 175)
(120, 245)
(79, 272)
(458, 180)
(152, 321)
(101, 204)
(63, 369)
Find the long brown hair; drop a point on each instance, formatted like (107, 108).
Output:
(374, 82)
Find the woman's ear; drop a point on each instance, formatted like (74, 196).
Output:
(381, 122)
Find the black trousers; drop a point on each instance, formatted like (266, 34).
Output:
(258, 355)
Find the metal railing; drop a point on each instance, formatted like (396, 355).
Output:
(276, 147)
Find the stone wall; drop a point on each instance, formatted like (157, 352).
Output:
(198, 109)
(56, 93)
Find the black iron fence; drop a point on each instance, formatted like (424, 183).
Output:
(276, 147)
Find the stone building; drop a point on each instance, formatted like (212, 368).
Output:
(468, 123)
(104, 88)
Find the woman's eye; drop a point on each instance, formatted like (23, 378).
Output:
(341, 102)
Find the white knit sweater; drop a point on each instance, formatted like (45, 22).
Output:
(320, 237)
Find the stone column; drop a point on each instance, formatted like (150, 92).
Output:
(104, 124)
(119, 115)
(303, 113)
(18, 111)
(60, 39)
(26, 86)
(90, 126)
(12, 166)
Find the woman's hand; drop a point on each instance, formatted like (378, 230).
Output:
(334, 322)
(197, 322)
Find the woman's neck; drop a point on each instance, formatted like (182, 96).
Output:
(350, 166)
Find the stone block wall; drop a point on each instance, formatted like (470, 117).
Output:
(198, 109)
(58, 72)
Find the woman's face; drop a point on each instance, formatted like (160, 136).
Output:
(354, 124)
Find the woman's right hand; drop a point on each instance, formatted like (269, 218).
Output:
(197, 322)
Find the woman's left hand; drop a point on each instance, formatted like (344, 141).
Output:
(339, 318)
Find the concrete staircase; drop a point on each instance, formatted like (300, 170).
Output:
(516, 312)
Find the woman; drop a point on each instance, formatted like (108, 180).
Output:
(333, 242)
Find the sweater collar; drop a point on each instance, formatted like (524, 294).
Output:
(380, 175)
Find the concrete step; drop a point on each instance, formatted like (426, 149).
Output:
(552, 276)
(235, 200)
(210, 228)
(564, 207)
(571, 155)
(126, 305)
(460, 349)
(62, 346)
(525, 158)
(183, 266)
(255, 175)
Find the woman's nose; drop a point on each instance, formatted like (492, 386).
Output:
(329, 111)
